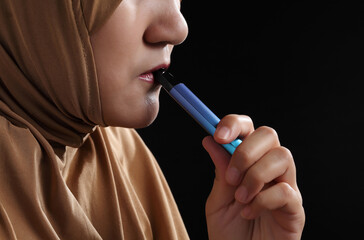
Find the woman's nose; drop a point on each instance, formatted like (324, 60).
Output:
(168, 26)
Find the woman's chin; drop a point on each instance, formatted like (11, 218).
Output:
(136, 119)
(144, 121)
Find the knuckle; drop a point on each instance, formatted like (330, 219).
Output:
(241, 119)
(229, 118)
(268, 131)
(287, 192)
(284, 153)
(243, 153)
(245, 118)
(233, 116)
(243, 157)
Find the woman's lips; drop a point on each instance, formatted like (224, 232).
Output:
(148, 76)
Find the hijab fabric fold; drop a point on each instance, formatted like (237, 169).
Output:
(48, 75)
(105, 183)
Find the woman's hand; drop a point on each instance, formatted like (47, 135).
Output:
(255, 194)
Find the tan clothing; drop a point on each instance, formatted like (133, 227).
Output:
(63, 173)
(109, 188)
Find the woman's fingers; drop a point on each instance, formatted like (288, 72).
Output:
(253, 148)
(229, 128)
(259, 164)
(233, 126)
(259, 180)
(275, 166)
(280, 196)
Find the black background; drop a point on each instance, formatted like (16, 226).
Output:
(296, 67)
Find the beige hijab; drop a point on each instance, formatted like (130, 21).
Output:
(61, 175)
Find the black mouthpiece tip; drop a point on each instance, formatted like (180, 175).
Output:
(165, 78)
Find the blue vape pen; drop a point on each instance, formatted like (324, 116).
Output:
(192, 105)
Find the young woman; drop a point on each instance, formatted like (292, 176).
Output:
(76, 77)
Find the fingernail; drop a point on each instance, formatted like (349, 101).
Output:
(233, 176)
(241, 194)
(223, 132)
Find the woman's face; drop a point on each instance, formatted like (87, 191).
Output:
(136, 40)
